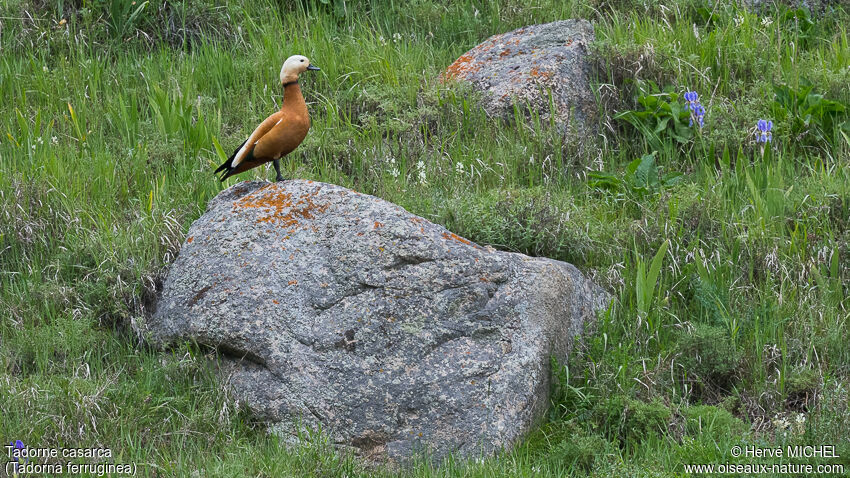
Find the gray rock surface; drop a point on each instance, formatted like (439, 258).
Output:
(814, 6)
(337, 309)
(521, 67)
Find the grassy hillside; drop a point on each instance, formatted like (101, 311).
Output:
(109, 118)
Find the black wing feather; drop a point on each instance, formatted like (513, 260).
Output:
(226, 166)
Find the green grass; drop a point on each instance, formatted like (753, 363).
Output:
(735, 333)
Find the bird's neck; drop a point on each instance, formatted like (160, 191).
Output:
(293, 100)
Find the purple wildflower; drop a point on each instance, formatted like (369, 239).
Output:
(697, 110)
(692, 98)
(18, 444)
(764, 134)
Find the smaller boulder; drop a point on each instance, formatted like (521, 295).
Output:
(816, 7)
(522, 67)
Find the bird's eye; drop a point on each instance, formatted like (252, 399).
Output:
(302, 61)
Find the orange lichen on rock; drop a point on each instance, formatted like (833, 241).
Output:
(461, 67)
(293, 282)
(455, 237)
(276, 199)
(277, 206)
(378, 224)
(190, 239)
(537, 73)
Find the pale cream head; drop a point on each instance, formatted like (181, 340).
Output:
(294, 66)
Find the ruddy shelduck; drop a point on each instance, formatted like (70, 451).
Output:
(281, 132)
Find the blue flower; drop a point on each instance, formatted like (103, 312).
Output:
(18, 444)
(764, 135)
(697, 110)
(698, 114)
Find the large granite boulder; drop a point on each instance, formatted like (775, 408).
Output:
(522, 67)
(339, 310)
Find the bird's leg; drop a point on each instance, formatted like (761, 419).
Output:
(276, 164)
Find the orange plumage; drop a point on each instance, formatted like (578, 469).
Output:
(280, 133)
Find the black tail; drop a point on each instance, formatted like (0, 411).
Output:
(226, 166)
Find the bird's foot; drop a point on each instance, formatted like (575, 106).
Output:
(276, 164)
